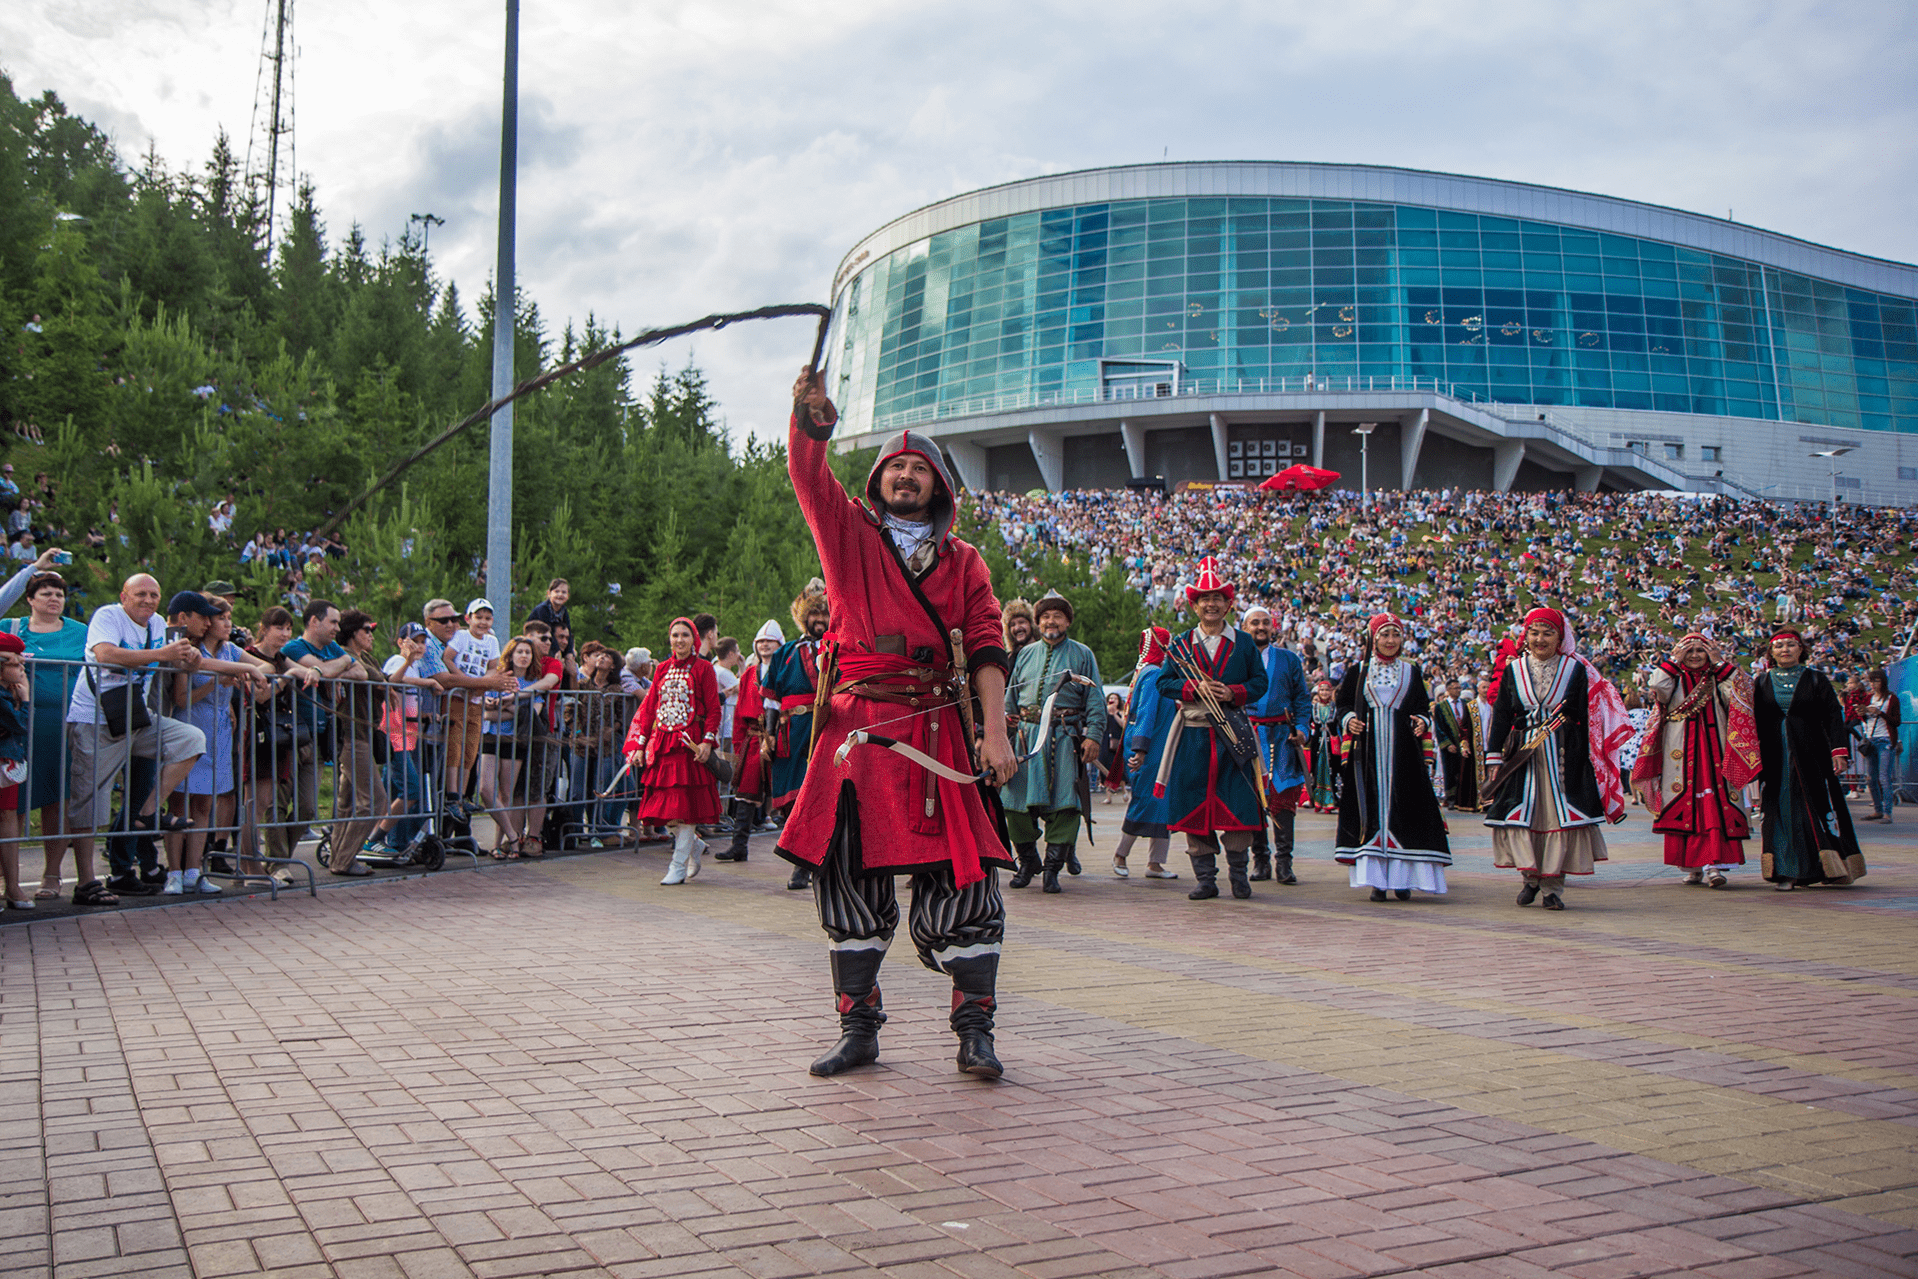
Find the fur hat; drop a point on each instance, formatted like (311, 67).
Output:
(1013, 608)
(811, 599)
(1053, 600)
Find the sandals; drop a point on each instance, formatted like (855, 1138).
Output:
(537, 849)
(505, 854)
(45, 894)
(94, 893)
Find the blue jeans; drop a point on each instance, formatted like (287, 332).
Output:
(591, 774)
(1881, 770)
(404, 780)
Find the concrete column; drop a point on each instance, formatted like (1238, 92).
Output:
(1585, 478)
(1506, 455)
(1218, 442)
(1411, 437)
(1134, 437)
(1049, 452)
(1318, 439)
(970, 459)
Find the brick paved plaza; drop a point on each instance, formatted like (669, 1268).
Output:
(565, 1069)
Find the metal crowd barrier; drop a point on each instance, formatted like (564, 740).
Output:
(331, 761)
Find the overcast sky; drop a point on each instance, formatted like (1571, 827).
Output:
(680, 158)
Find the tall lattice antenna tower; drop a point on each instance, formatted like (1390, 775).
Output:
(269, 143)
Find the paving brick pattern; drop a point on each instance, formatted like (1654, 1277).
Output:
(565, 1069)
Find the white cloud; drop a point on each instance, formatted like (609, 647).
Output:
(683, 158)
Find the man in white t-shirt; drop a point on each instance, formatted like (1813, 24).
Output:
(124, 639)
(726, 664)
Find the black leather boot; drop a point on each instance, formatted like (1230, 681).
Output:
(1205, 869)
(1261, 865)
(972, 1021)
(1056, 855)
(801, 879)
(743, 823)
(1235, 870)
(1282, 824)
(859, 1023)
(1072, 858)
(1028, 865)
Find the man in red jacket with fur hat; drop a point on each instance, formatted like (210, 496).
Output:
(894, 788)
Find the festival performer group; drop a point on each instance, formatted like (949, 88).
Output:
(914, 726)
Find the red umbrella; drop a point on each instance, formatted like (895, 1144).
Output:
(1302, 478)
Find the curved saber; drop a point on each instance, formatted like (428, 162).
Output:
(863, 737)
(866, 737)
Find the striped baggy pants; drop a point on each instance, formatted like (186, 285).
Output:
(957, 931)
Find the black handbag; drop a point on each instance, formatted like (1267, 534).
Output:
(121, 708)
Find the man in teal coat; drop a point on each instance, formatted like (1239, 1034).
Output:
(1050, 788)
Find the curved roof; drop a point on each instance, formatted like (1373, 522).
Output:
(1380, 184)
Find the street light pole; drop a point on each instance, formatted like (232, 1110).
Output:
(499, 473)
(1364, 431)
(1832, 455)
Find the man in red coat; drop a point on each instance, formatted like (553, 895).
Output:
(915, 636)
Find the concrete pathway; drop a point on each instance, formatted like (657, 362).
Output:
(562, 1068)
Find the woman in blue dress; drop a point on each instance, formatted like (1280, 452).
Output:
(209, 791)
(51, 638)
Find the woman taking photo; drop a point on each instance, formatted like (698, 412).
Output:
(672, 736)
(1878, 726)
(505, 746)
(1802, 742)
(208, 792)
(50, 639)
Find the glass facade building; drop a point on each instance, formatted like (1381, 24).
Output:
(1247, 288)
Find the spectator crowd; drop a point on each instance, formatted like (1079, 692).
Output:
(1632, 571)
(199, 749)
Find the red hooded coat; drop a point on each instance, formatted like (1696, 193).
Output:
(882, 619)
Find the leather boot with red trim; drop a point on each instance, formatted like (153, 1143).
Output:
(972, 1021)
(860, 1018)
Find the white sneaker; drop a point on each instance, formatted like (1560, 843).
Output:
(675, 873)
(699, 850)
(208, 887)
(175, 884)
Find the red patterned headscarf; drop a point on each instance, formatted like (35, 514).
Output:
(1152, 645)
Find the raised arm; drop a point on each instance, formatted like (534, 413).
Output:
(823, 500)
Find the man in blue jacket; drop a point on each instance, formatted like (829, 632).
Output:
(1280, 718)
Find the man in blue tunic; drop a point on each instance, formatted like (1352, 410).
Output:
(1050, 787)
(1279, 719)
(793, 678)
(1211, 669)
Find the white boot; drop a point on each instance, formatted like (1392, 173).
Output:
(682, 850)
(698, 851)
